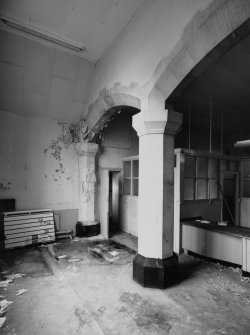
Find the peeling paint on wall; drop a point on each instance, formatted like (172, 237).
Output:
(63, 141)
(5, 186)
(88, 183)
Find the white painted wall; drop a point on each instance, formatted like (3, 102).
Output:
(38, 165)
(128, 215)
(245, 212)
(37, 80)
(148, 39)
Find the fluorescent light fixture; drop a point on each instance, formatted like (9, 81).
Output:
(242, 144)
(43, 35)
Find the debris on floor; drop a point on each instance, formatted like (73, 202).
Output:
(98, 252)
(245, 279)
(21, 291)
(6, 283)
(114, 253)
(15, 276)
(235, 269)
(64, 234)
(74, 260)
(2, 320)
(76, 239)
(62, 257)
(4, 306)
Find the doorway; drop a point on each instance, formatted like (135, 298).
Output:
(113, 206)
(229, 190)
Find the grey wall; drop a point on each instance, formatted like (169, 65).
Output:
(37, 80)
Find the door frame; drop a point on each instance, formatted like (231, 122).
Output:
(104, 199)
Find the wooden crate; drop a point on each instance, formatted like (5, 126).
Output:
(23, 228)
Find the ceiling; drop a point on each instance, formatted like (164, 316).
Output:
(223, 87)
(93, 23)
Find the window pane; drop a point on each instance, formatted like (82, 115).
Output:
(189, 169)
(246, 188)
(246, 168)
(202, 167)
(135, 186)
(214, 168)
(127, 169)
(127, 186)
(136, 168)
(228, 187)
(214, 190)
(201, 189)
(224, 165)
(188, 189)
(233, 166)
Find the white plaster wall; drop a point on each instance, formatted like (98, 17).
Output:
(128, 217)
(150, 37)
(38, 80)
(38, 165)
(245, 212)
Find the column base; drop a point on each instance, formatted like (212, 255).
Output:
(87, 228)
(154, 272)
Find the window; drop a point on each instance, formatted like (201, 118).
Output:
(131, 177)
(246, 178)
(201, 176)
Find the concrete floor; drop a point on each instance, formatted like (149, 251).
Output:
(92, 292)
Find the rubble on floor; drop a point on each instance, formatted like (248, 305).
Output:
(6, 281)
(21, 291)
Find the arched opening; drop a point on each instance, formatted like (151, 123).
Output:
(118, 172)
(211, 171)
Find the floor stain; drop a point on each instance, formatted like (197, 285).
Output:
(150, 317)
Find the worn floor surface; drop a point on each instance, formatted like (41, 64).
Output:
(91, 292)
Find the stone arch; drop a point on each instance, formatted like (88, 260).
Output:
(107, 105)
(207, 37)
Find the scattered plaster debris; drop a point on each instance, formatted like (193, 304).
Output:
(62, 256)
(6, 283)
(21, 291)
(15, 276)
(74, 260)
(113, 253)
(4, 306)
(76, 239)
(2, 320)
(97, 252)
(245, 279)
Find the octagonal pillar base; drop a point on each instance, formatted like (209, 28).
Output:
(155, 273)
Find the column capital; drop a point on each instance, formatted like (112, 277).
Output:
(87, 149)
(169, 123)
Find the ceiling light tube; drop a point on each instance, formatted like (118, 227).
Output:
(44, 36)
(242, 144)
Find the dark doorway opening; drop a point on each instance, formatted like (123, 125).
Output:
(114, 197)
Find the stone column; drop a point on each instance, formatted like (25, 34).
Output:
(87, 182)
(155, 264)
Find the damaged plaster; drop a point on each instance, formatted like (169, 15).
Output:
(88, 183)
(63, 141)
(5, 186)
